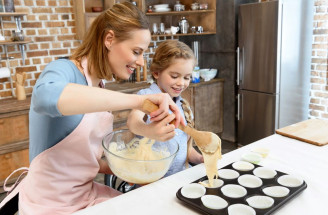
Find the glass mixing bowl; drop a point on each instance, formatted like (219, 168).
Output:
(121, 147)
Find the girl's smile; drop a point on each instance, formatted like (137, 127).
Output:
(176, 78)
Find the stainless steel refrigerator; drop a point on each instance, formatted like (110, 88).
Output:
(273, 66)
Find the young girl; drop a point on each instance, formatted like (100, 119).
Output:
(171, 68)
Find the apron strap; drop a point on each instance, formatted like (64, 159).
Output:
(9, 189)
(9, 204)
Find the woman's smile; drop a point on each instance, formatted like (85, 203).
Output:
(130, 69)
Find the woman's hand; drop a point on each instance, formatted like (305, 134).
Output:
(165, 103)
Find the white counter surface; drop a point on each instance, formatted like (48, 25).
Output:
(286, 155)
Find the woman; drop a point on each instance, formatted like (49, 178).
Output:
(69, 115)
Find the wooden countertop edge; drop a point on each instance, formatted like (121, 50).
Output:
(12, 105)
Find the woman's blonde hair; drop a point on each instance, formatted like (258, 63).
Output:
(122, 19)
(167, 52)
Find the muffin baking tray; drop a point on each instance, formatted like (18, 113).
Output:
(259, 189)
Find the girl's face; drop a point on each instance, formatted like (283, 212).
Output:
(176, 78)
(125, 56)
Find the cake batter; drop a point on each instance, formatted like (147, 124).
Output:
(132, 169)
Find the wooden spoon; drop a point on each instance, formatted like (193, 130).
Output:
(207, 142)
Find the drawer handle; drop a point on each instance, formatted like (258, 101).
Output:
(2, 121)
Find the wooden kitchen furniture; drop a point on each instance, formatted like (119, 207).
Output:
(206, 99)
(14, 134)
(205, 18)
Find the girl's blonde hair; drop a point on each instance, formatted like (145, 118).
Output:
(122, 19)
(191, 123)
(167, 52)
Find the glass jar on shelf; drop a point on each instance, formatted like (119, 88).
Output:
(179, 7)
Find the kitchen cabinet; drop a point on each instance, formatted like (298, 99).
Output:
(84, 15)
(205, 18)
(206, 101)
(14, 137)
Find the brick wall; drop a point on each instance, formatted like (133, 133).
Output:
(51, 28)
(319, 70)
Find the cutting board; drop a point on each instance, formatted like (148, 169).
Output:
(314, 131)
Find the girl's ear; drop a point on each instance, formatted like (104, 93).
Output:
(155, 74)
(109, 39)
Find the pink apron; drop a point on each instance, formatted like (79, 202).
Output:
(60, 179)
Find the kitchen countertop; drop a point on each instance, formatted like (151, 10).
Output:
(13, 105)
(286, 155)
(127, 87)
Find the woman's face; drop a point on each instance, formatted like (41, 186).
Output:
(125, 56)
(176, 78)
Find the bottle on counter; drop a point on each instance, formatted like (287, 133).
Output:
(184, 25)
(195, 75)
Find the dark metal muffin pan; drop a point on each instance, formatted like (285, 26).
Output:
(278, 202)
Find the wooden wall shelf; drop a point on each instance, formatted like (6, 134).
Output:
(204, 18)
(181, 35)
(2, 14)
(9, 42)
(179, 13)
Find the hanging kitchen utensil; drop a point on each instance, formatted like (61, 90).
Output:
(20, 90)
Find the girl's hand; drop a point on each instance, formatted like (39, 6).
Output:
(165, 103)
(161, 130)
(195, 157)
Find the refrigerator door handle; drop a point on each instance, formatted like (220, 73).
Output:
(238, 69)
(237, 66)
(241, 73)
(238, 107)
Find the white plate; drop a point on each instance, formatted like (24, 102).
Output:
(162, 9)
(264, 172)
(157, 6)
(260, 202)
(290, 181)
(214, 202)
(250, 181)
(228, 173)
(193, 191)
(276, 191)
